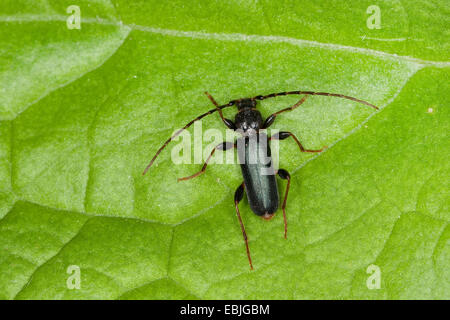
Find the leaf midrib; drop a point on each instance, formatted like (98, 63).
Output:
(227, 37)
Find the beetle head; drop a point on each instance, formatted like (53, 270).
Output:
(245, 103)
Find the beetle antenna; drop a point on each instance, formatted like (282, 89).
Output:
(176, 134)
(313, 93)
(272, 95)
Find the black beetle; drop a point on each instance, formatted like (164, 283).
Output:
(262, 190)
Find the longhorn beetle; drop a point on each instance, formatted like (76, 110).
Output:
(261, 188)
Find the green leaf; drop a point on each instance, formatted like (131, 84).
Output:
(83, 111)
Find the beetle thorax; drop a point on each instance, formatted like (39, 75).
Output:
(248, 117)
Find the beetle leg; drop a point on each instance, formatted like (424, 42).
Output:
(270, 119)
(286, 134)
(221, 146)
(229, 123)
(238, 195)
(286, 176)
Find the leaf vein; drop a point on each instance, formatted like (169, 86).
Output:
(49, 259)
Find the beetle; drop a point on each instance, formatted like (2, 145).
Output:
(259, 179)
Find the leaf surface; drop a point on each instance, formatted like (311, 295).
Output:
(83, 111)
